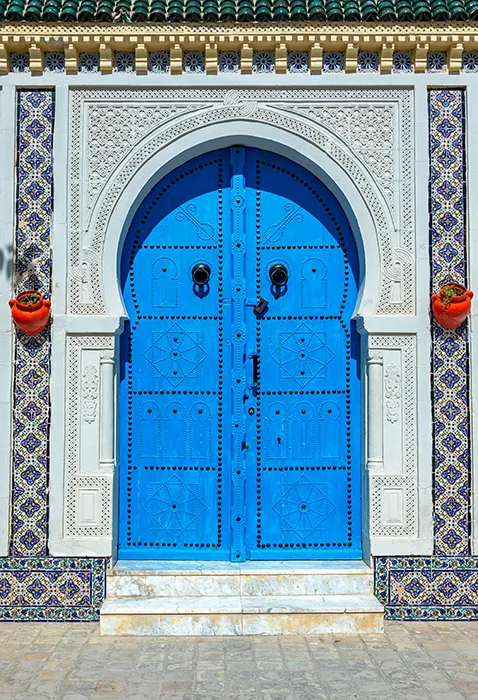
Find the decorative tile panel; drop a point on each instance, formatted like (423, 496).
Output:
(32, 353)
(48, 589)
(450, 364)
(428, 588)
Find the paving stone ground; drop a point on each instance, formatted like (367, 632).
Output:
(410, 661)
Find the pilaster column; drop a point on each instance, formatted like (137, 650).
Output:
(375, 412)
(107, 397)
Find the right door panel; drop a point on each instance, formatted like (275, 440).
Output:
(303, 458)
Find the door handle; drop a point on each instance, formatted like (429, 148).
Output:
(255, 372)
(255, 368)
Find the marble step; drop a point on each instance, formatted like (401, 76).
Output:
(241, 615)
(158, 579)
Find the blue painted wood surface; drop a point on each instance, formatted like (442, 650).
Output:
(240, 433)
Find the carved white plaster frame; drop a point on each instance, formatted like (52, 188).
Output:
(255, 119)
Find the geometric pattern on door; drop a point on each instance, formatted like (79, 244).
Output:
(240, 429)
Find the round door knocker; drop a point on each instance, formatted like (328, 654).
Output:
(201, 274)
(278, 275)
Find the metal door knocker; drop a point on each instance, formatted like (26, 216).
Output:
(201, 274)
(278, 275)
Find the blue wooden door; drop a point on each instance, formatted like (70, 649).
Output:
(240, 418)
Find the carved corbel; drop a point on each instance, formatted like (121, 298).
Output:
(36, 62)
(386, 58)
(421, 53)
(141, 59)
(210, 57)
(316, 56)
(176, 59)
(455, 58)
(3, 59)
(281, 58)
(375, 412)
(106, 58)
(351, 57)
(71, 59)
(246, 58)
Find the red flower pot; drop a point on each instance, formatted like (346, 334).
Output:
(451, 312)
(31, 319)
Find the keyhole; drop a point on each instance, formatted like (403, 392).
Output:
(278, 440)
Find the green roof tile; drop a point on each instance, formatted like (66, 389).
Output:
(298, 10)
(157, 12)
(15, 10)
(211, 10)
(237, 10)
(352, 11)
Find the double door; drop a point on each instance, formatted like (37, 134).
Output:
(240, 373)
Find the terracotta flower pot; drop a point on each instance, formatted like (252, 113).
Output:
(31, 319)
(450, 312)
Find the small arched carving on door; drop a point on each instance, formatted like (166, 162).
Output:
(329, 430)
(175, 431)
(303, 431)
(164, 293)
(200, 431)
(149, 442)
(313, 284)
(277, 427)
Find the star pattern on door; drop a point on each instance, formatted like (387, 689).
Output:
(303, 506)
(174, 506)
(175, 355)
(303, 355)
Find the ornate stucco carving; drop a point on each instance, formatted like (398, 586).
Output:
(394, 488)
(393, 392)
(107, 149)
(90, 388)
(88, 496)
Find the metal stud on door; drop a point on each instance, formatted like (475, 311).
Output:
(239, 394)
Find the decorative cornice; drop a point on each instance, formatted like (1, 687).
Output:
(316, 38)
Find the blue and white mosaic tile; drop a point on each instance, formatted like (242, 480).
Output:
(428, 588)
(51, 589)
(32, 354)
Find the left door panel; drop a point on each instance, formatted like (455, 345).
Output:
(175, 432)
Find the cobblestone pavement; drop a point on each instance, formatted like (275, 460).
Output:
(410, 661)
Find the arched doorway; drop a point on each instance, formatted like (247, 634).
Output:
(240, 418)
